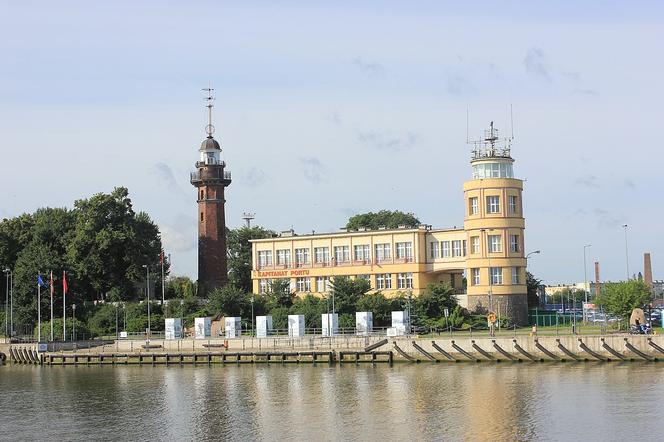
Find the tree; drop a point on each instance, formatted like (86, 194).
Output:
(239, 254)
(229, 301)
(111, 243)
(430, 306)
(280, 294)
(312, 307)
(347, 292)
(379, 305)
(384, 218)
(567, 296)
(620, 298)
(532, 285)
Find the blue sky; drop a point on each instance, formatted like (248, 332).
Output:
(332, 108)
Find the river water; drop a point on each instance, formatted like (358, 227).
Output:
(584, 401)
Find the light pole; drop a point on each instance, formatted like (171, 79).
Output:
(6, 271)
(488, 255)
(252, 315)
(534, 252)
(626, 253)
(73, 322)
(147, 289)
(586, 286)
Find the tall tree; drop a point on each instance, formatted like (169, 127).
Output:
(621, 298)
(347, 292)
(111, 243)
(532, 285)
(239, 254)
(384, 218)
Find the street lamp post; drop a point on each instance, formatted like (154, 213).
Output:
(6, 271)
(252, 315)
(626, 252)
(534, 252)
(586, 286)
(147, 290)
(488, 255)
(73, 322)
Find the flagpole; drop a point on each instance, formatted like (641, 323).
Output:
(64, 306)
(38, 312)
(163, 290)
(51, 305)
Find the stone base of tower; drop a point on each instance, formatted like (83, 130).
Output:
(514, 306)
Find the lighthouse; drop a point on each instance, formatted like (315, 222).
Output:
(494, 225)
(211, 179)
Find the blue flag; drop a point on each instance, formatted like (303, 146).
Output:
(41, 282)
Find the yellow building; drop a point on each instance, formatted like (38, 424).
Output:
(489, 250)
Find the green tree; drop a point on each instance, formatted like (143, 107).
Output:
(429, 307)
(229, 301)
(180, 287)
(280, 294)
(620, 298)
(567, 296)
(379, 305)
(239, 254)
(384, 218)
(312, 307)
(532, 285)
(347, 292)
(111, 243)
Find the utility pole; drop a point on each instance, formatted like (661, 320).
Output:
(626, 253)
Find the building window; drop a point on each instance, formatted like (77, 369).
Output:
(383, 281)
(445, 247)
(493, 204)
(383, 252)
(265, 258)
(514, 243)
(512, 205)
(495, 244)
(201, 216)
(362, 252)
(365, 277)
(322, 284)
(322, 255)
(515, 276)
(342, 254)
(456, 247)
(473, 206)
(474, 244)
(301, 257)
(496, 275)
(283, 257)
(465, 247)
(404, 250)
(475, 274)
(434, 249)
(405, 280)
(303, 284)
(265, 285)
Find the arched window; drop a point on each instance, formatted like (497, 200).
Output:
(201, 216)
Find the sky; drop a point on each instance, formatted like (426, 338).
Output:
(328, 109)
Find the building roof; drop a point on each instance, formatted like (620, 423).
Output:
(290, 234)
(210, 144)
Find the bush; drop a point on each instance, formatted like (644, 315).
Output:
(279, 318)
(312, 307)
(82, 331)
(379, 305)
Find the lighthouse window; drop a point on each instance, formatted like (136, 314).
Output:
(495, 244)
(512, 204)
(496, 275)
(493, 204)
(201, 216)
(473, 206)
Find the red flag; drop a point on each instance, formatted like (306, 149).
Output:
(64, 282)
(161, 258)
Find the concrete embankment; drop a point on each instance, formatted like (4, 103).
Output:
(356, 349)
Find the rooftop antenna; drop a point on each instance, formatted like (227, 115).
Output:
(247, 217)
(467, 137)
(511, 122)
(209, 129)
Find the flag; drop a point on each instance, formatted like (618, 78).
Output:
(51, 283)
(161, 258)
(40, 282)
(64, 282)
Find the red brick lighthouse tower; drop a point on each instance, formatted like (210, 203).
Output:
(210, 180)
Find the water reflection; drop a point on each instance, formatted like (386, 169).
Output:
(301, 402)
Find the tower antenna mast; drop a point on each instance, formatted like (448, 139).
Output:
(247, 217)
(209, 129)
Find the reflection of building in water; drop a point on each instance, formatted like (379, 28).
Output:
(489, 248)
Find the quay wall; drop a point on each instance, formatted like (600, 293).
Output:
(543, 348)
